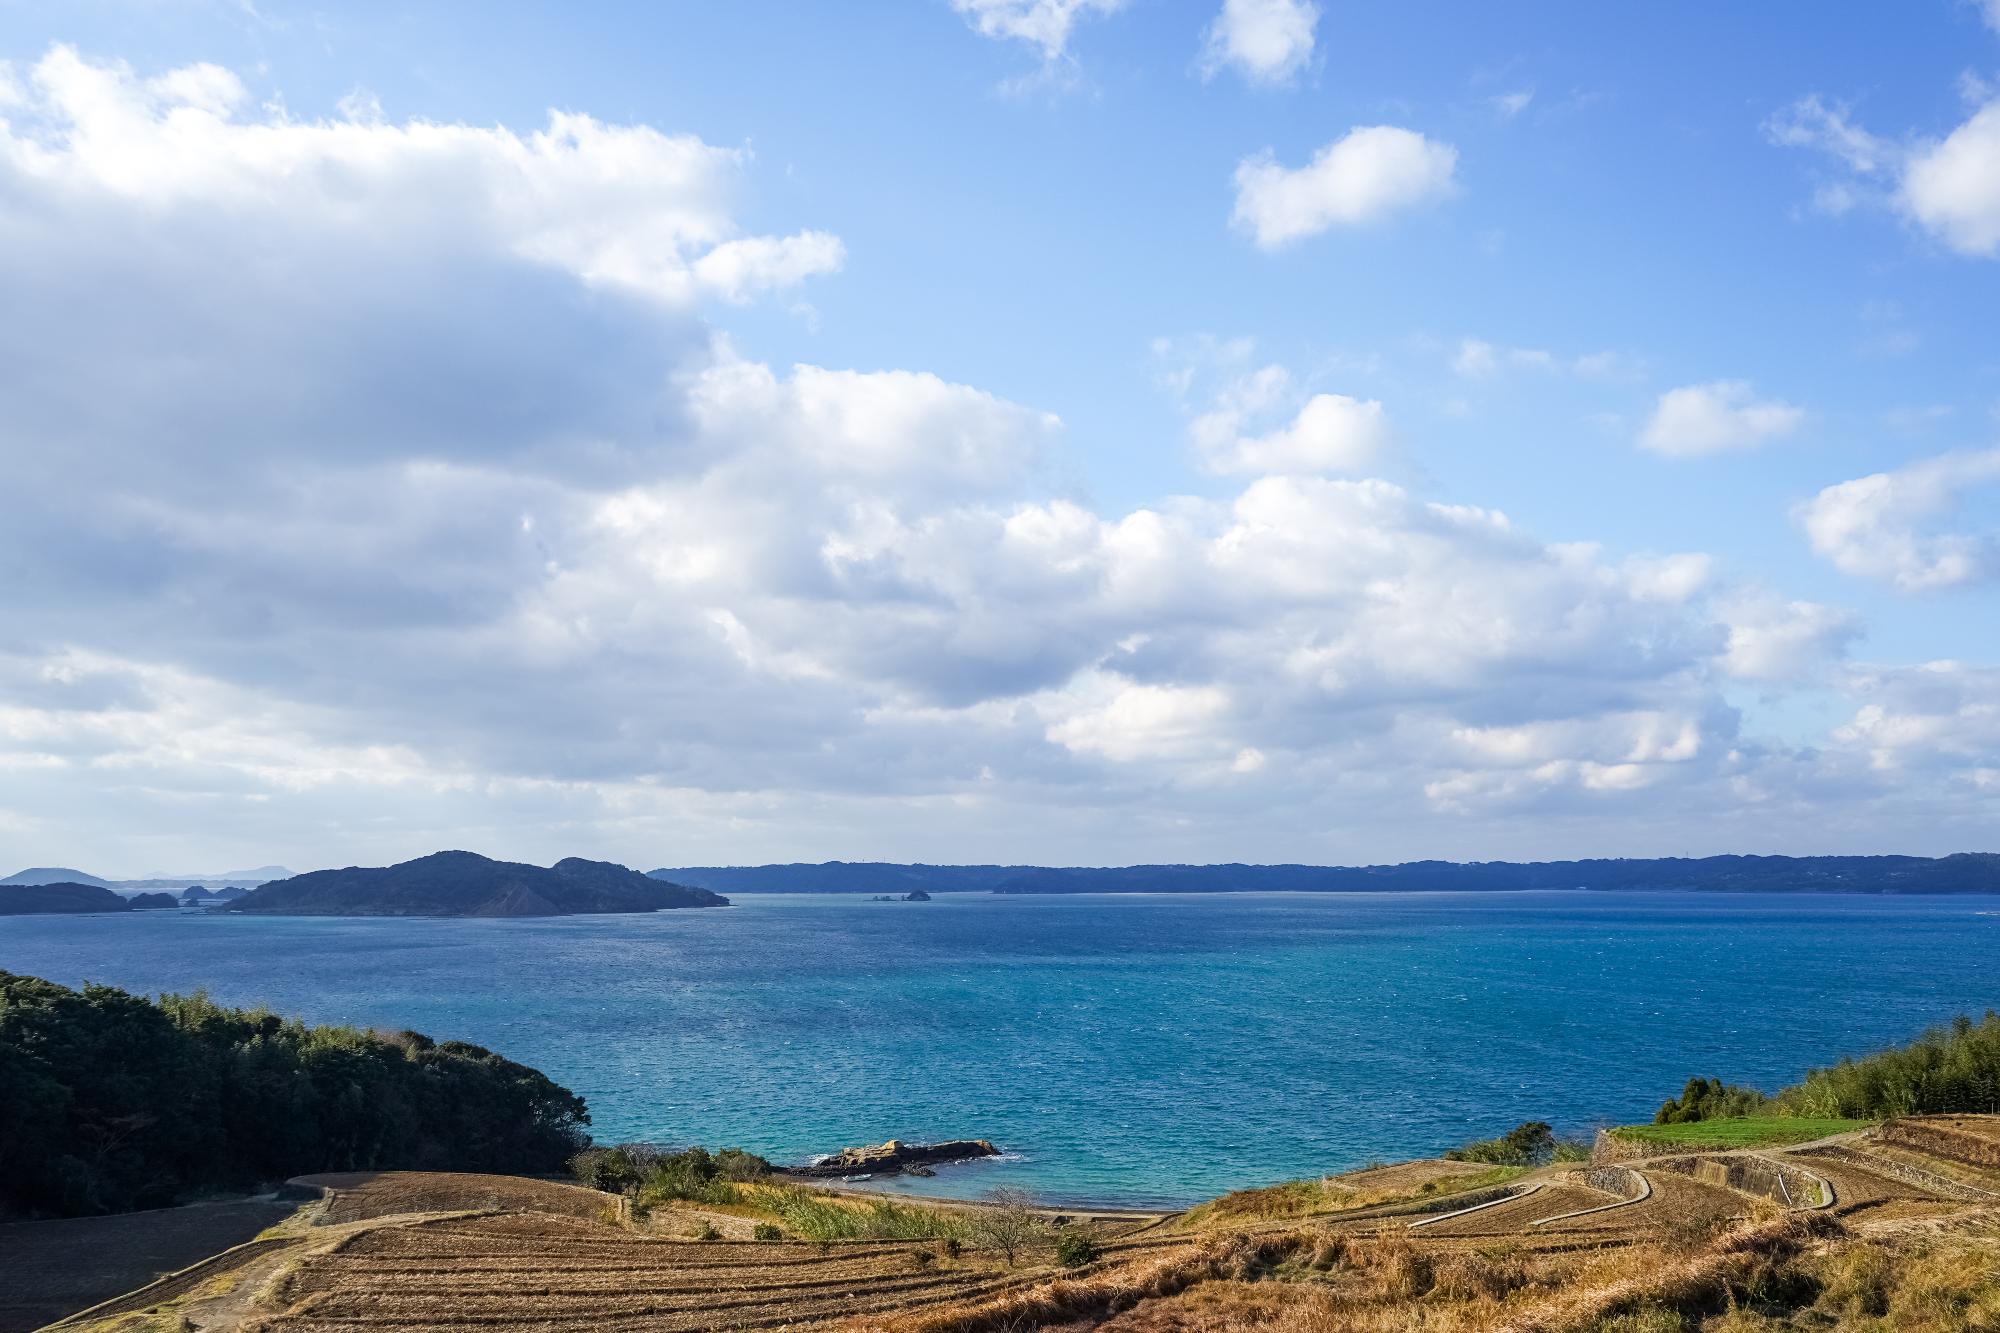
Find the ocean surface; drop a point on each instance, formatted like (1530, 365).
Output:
(1123, 1049)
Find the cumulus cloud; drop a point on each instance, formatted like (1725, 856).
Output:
(1941, 716)
(1771, 639)
(1043, 24)
(622, 207)
(1370, 174)
(1700, 419)
(1266, 41)
(1894, 526)
(352, 515)
(1950, 187)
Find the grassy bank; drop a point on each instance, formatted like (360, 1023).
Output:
(1758, 1131)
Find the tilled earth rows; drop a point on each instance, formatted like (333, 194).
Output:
(526, 1271)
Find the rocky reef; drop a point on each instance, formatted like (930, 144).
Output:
(897, 1157)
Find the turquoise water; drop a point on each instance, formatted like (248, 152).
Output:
(1124, 1048)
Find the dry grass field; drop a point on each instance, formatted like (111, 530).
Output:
(1669, 1246)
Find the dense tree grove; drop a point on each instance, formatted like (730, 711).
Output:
(109, 1101)
(1951, 1068)
(1709, 1099)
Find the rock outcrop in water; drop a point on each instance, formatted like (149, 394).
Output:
(467, 884)
(895, 1156)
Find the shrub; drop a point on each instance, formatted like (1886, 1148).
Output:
(708, 1232)
(822, 1218)
(767, 1231)
(1709, 1099)
(1951, 1068)
(619, 1170)
(1075, 1248)
(700, 1176)
(1532, 1143)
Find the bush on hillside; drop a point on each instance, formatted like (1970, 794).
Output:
(1532, 1143)
(110, 1102)
(700, 1176)
(1953, 1068)
(1709, 1099)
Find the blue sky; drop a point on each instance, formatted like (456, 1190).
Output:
(529, 536)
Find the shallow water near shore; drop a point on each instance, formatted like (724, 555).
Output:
(1136, 1050)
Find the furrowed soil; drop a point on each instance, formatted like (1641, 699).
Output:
(357, 1196)
(432, 1253)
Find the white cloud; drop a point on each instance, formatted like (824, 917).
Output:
(1950, 187)
(1127, 722)
(350, 516)
(1700, 419)
(1331, 433)
(1938, 716)
(1266, 41)
(1775, 640)
(1368, 175)
(1253, 427)
(1044, 24)
(1891, 525)
(623, 207)
(1510, 105)
(1669, 578)
(1811, 123)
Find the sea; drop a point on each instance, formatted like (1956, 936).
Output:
(1130, 1050)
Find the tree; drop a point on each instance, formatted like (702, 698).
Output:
(1008, 1223)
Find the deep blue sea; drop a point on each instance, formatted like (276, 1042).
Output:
(1134, 1049)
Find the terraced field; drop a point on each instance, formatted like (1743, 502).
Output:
(538, 1271)
(356, 1196)
(435, 1253)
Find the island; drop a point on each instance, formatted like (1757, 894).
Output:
(43, 899)
(458, 883)
(146, 902)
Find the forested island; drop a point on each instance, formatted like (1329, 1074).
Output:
(1965, 872)
(467, 884)
(69, 899)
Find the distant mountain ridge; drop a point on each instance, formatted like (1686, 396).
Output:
(1964, 872)
(467, 884)
(54, 875)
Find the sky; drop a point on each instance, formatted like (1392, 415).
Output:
(1059, 431)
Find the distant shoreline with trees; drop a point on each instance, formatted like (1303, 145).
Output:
(1964, 872)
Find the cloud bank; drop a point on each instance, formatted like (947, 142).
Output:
(381, 486)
